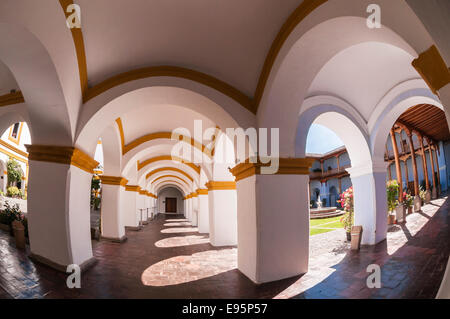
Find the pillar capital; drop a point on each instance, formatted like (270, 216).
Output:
(286, 166)
(113, 180)
(132, 188)
(220, 185)
(201, 191)
(432, 68)
(62, 155)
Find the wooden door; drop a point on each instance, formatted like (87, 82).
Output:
(171, 205)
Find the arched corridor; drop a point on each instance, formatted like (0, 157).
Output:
(169, 151)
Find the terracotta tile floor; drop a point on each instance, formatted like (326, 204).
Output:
(161, 264)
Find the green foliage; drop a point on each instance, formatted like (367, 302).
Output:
(348, 220)
(408, 200)
(14, 172)
(13, 191)
(95, 193)
(10, 214)
(392, 191)
(422, 193)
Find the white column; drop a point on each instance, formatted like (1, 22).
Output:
(194, 209)
(222, 204)
(189, 208)
(370, 203)
(203, 211)
(59, 206)
(112, 214)
(131, 220)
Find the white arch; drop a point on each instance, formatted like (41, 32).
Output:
(112, 151)
(326, 35)
(111, 104)
(166, 163)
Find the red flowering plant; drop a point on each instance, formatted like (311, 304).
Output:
(346, 201)
(408, 200)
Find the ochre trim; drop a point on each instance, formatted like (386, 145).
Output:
(202, 191)
(142, 192)
(78, 41)
(62, 155)
(141, 165)
(113, 180)
(302, 11)
(23, 160)
(13, 148)
(193, 195)
(432, 68)
(216, 185)
(11, 98)
(173, 169)
(121, 132)
(251, 104)
(170, 176)
(287, 166)
(168, 136)
(132, 188)
(173, 71)
(170, 182)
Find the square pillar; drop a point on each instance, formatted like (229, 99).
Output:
(273, 220)
(203, 211)
(59, 206)
(112, 214)
(222, 204)
(130, 208)
(370, 203)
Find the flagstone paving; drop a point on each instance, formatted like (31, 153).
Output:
(166, 262)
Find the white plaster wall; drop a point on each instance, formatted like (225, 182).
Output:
(203, 214)
(130, 216)
(112, 217)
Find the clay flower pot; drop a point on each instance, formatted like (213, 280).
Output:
(19, 234)
(391, 219)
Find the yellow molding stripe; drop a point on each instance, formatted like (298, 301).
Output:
(11, 98)
(13, 148)
(14, 156)
(299, 14)
(121, 132)
(168, 136)
(287, 166)
(170, 182)
(141, 165)
(432, 68)
(113, 180)
(302, 11)
(132, 188)
(194, 195)
(62, 155)
(77, 35)
(219, 185)
(173, 169)
(202, 191)
(173, 71)
(142, 192)
(170, 176)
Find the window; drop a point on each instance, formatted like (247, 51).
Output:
(15, 132)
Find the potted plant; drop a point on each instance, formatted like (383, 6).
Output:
(408, 202)
(392, 191)
(17, 223)
(346, 201)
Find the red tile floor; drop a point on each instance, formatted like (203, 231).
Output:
(180, 263)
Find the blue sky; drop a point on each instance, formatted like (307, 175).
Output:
(321, 140)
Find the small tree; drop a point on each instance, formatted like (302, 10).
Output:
(392, 192)
(15, 172)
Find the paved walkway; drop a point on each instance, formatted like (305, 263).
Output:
(169, 259)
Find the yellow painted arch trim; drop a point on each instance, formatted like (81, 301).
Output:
(170, 176)
(162, 135)
(11, 98)
(173, 169)
(302, 11)
(170, 182)
(141, 165)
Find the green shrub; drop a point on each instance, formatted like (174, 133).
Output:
(13, 191)
(15, 172)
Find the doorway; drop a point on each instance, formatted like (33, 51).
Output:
(171, 204)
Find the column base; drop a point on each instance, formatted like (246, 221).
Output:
(417, 203)
(427, 197)
(115, 240)
(400, 214)
(145, 222)
(61, 268)
(434, 193)
(133, 228)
